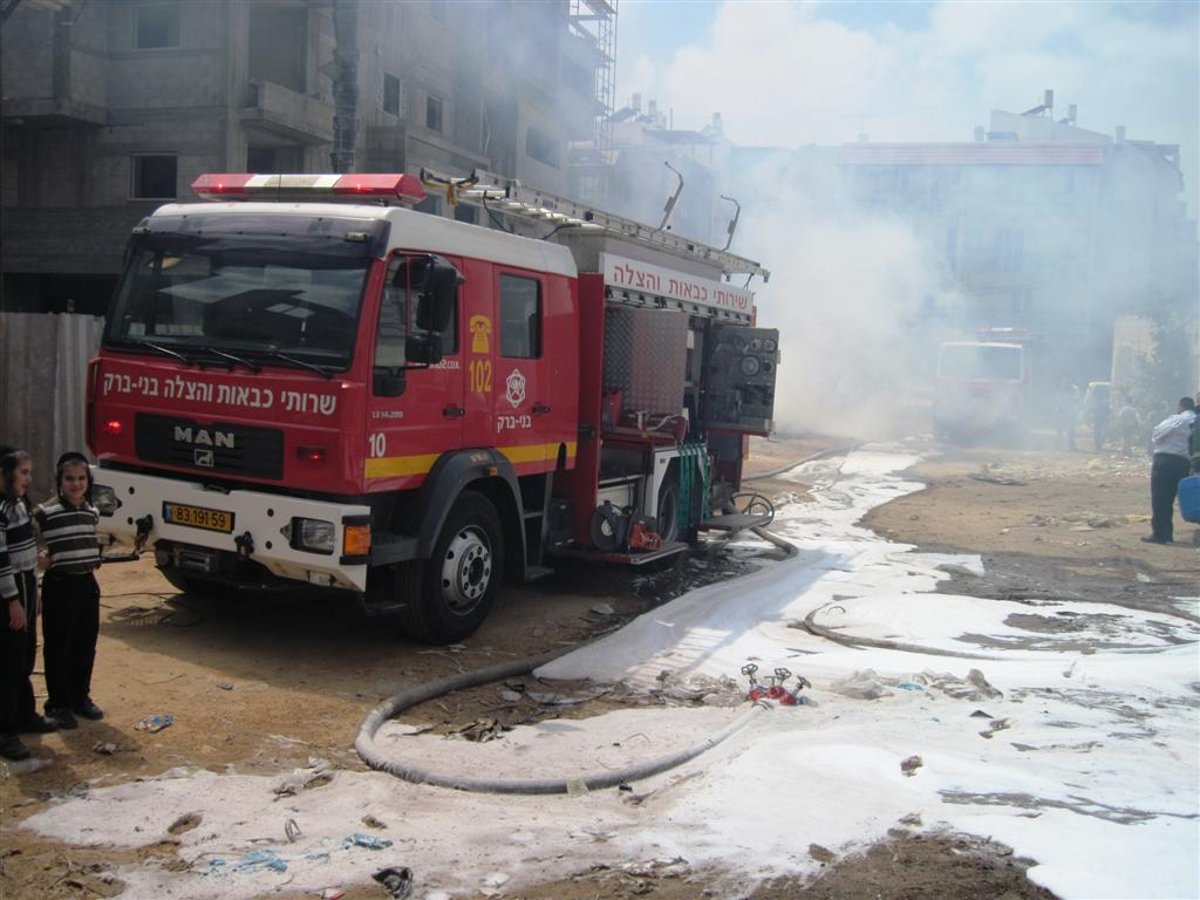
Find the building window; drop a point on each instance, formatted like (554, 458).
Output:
(542, 147)
(278, 48)
(433, 113)
(391, 94)
(520, 317)
(437, 9)
(578, 78)
(465, 213)
(153, 176)
(156, 26)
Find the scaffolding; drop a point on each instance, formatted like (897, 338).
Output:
(596, 22)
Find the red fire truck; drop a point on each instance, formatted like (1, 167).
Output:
(409, 409)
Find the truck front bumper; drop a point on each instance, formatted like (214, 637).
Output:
(294, 538)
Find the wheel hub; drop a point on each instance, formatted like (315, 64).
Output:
(466, 571)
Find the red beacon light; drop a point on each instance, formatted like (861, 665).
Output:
(393, 187)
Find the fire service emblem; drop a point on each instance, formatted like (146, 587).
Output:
(514, 388)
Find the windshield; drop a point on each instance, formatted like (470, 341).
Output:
(198, 298)
(980, 362)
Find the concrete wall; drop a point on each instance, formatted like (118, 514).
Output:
(43, 372)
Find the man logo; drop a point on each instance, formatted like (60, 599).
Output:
(201, 437)
(203, 458)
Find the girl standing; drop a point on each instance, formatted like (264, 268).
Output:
(17, 469)
(70, 594)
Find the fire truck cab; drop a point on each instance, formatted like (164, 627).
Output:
(409, 409)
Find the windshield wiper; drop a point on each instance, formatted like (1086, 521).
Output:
(249, 364)
(304, 364)
(166, 351)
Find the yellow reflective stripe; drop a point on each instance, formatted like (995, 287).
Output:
(523, 453)
(393, 466)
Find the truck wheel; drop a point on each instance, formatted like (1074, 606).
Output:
(457, 585)
(666, 514)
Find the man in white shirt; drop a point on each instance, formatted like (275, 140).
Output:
(1170, 442)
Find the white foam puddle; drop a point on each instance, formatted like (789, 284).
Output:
(1074, 744)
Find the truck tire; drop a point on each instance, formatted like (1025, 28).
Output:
(666, 514)
(450, 594)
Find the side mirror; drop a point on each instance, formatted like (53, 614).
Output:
(423, 349)
(436, 306)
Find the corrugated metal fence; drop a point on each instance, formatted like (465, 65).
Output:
(43, 372)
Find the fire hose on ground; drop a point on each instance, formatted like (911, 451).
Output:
(364, 743)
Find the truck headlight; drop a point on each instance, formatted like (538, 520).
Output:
(105, 500)
(314, 535)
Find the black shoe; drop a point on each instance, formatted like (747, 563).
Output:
(64, 717)
(37, 725)
(12, 748)
(88, 710)
(1151, 539)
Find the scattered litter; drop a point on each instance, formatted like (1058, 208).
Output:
(154, 723)
(591, 835)
(603, 609)
(186, 822)
(861, 685)
(509, 696)
(401, 729)
(974, 687)
(318, 773)
(995, 479)
(105, 748)
(994, 726)
(254, 861)
(581, 696)
(396, 881)
(821, 854)
(332, 894)
(980, 714)
(496, 879)
(912, 819)
(291, 830)
(225, 685)
(909, 766)
(371, 822)
(909, 686)
(663, 867)
(369, 841)
(576, 787)
(481, 731)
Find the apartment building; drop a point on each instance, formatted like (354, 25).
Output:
(110, 109)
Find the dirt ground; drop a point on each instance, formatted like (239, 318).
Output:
(261, 685)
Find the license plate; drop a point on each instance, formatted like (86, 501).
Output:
(198, 517)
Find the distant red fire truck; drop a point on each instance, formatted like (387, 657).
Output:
(409, 409)
(983, 386)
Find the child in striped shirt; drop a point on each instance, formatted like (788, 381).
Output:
(70, 594)
(18, 586)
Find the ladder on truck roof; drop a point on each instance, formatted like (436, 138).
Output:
(498, 193)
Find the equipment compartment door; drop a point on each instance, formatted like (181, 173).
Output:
(739, 378)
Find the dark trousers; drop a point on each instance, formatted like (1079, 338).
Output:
(1166, 473)
(70, 627)
(18, 650)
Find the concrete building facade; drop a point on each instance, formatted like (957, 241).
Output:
(110, 109)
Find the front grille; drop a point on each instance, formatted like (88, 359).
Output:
(213, 447)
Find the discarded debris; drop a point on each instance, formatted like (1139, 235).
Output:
(397, 881)
(994, 726)
(154, 723)
(371, 822)
(318, 773)
(291, 830)
(369, 841)
(861, 685)
(603, 609)
(186, 822)
(909, 766)
(105, 748)
(821, 854)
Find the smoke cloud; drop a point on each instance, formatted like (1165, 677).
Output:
(862, 298)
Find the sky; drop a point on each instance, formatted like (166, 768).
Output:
(791, 74)
(1075, 747)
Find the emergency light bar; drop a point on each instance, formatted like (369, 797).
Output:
(398, 187)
